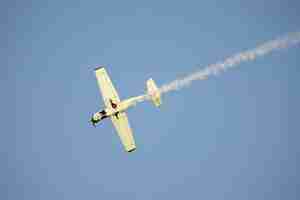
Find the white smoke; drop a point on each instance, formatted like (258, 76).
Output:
(214, 69)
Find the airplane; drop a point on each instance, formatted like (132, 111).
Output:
(115, 108)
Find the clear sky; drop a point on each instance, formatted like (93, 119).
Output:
(235, 136)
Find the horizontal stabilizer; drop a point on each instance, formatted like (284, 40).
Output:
(153, 92)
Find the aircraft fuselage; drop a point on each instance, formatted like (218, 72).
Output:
(115, 108)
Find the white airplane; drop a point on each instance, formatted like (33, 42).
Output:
(115, 109)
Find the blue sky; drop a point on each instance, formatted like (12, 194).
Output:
(231, 137)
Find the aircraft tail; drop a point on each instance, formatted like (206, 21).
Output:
(153, 92)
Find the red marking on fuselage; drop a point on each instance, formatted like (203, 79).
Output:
(113, 105)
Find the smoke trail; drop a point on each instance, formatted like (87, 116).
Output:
(249, 55)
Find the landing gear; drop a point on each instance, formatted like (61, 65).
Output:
(117, 115)
(103, 114)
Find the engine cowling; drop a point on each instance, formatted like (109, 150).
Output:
(98, 116)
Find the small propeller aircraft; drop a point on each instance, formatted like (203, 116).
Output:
(115, 108)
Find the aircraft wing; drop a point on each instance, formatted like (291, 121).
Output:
(124, 131)
(106, 87)
(120, 121)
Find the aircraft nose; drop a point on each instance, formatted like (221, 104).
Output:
(94, 120)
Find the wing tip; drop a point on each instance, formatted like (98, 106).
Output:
(97, 68)
(131, 150)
